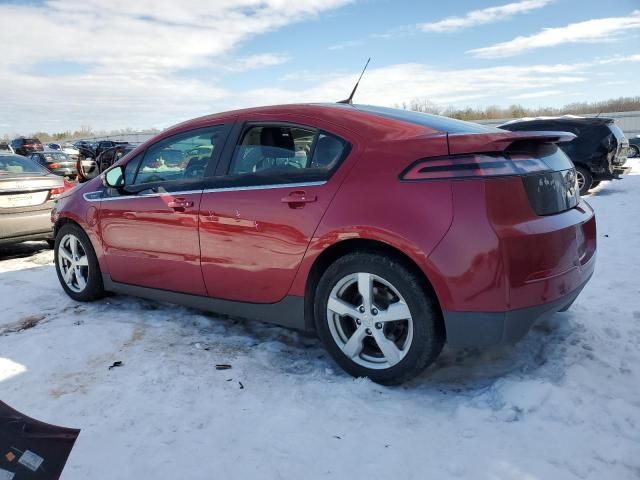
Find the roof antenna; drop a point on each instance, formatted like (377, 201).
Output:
(349, 100)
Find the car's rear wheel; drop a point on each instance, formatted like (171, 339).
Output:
(77, 265)
(634, 151)
(584, 179)
(377, 319)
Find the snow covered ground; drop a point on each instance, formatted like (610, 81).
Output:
(562, 404)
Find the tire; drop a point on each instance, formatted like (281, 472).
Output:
(91, 287)
(634, 151)
(585, 179)
(418, 339)
(595, 183)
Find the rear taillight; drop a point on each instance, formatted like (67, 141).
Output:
(56, 192)
(53, 166)
(479, 165)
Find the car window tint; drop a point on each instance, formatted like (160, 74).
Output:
(268, 154)
(265, 148)
(181, 157)
(131, 168)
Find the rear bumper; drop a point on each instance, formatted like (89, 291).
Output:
(29, 225)
(483, 329)
(620, 170)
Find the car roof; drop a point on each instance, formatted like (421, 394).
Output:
(356, 117)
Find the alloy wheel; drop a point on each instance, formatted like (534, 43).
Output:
(369, 320)
(579, 180)
(73, 263)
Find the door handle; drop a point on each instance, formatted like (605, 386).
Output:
(298, 199)
(180, 204)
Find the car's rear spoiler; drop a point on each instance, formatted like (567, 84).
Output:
(461, 143)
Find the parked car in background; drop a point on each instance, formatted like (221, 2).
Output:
(384, 231)
(4, 147)
(27, 193)
(67, 148)
(56, 162)
(634, 147)
(90, 169)
(104, 145)
(24, 146)
(84, 144)
(598, 152)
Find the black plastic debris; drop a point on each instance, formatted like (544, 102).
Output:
(241, 385)
(222, 366)
(116, 364)
(30, 449)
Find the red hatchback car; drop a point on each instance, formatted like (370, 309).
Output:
(387, 232)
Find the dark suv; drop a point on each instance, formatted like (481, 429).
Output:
(25, 146)
(599, 152)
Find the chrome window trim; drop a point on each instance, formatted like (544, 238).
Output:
(87, 196)
(265, 187)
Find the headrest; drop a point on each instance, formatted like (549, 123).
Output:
(280, 139)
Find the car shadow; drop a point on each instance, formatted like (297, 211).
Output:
(22, 250)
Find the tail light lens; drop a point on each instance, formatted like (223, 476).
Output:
(479, 165)
(53, 166)
(56, 192)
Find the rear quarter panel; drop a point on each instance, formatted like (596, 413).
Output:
(372, 203)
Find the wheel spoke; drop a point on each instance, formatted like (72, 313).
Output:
(396, 311)
(354, 345)
(342, 308)
(387, 347)
(74, 245)
(365, 288)
(83, 261)
(65, 253)
(68, 275)
(80, 279)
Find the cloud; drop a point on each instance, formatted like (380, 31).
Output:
(133, 57)
(484, 16)
(394, 84)
(590, 31)
(538, 94)
(254, 62)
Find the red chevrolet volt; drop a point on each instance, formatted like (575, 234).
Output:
(386, 232)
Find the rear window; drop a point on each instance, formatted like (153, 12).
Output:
(31, 140)
(17, 164)
(435, 122)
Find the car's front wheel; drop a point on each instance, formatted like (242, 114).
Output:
(377, 319)
(634, 151)
(77, 265)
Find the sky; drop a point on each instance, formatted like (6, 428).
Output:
(113, 64)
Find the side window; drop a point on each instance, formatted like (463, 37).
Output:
(181, 157)
(287, 152)
(131, 168)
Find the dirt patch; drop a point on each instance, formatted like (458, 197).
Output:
(25, 323)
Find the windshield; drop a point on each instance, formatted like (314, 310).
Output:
(18, 164)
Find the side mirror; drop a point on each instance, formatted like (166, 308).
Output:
(114, 177)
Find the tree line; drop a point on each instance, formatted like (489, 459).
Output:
(621, 104)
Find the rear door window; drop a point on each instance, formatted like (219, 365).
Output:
(285, 154)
